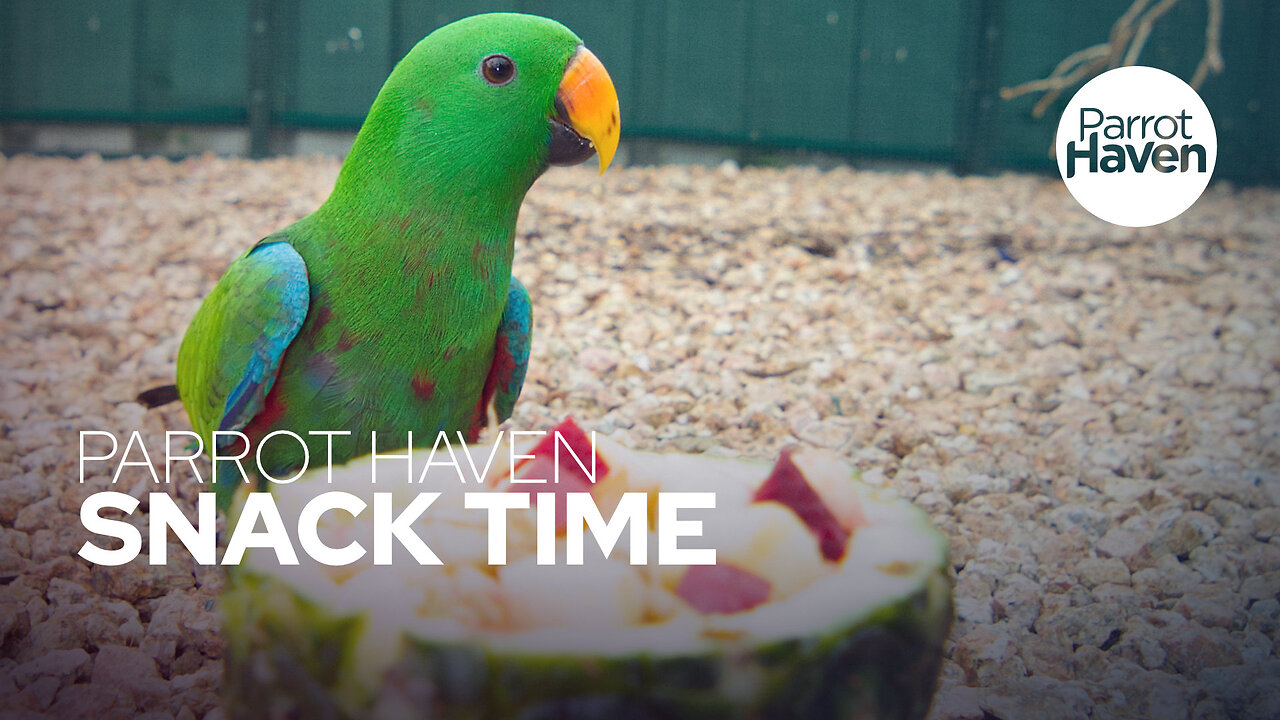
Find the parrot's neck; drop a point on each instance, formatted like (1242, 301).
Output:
(422, 239)
(406, 188)
(380, 201)
(420, 227)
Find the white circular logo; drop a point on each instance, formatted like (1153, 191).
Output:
(1136, 146)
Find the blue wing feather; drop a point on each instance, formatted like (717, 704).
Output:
(288, 287)
(515, 330)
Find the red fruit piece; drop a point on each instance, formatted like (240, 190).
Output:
(786, 484)
(577, 440)
(570, 474)
(722, 588)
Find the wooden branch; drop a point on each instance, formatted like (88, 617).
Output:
(1212, 60)
(1124, 45)
(1144, 31)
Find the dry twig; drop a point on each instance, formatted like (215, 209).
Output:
(1127, 38)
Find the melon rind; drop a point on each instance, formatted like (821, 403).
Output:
(292, 653)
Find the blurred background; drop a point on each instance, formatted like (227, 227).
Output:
(863, 81)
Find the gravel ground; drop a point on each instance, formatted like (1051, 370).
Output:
(1090, 413)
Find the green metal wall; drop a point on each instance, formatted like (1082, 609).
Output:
(910, 79)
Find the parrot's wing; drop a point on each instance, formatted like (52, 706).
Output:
(511, 352)
(230, 355)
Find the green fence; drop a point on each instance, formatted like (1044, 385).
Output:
(908, 79)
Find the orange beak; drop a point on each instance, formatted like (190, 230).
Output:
(591, 104)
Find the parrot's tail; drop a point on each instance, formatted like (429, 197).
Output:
(157, 396)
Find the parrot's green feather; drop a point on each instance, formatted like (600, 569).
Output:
(247, 322)
(408, 265)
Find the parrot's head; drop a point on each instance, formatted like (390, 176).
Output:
(486, 103)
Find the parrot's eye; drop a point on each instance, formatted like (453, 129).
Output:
(498, 69)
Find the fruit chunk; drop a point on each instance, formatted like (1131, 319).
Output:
(567, 440)
(596, 595)
(828, 475)
(786, 484)
(722, 588)
(567, 433)
(765, 539)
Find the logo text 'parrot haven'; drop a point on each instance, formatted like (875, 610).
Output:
(1123, 152)
(1136, 146)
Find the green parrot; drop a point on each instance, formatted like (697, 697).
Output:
(391, 308)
